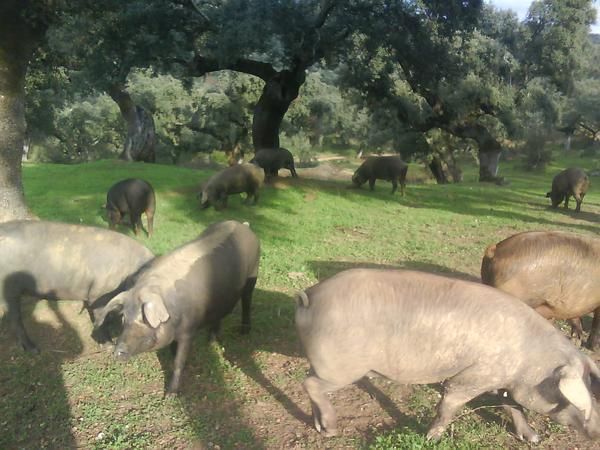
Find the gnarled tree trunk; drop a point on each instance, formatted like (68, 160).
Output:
(17, 42)
(437, 169)
(141, 134)
(277, 95)
(489, 149)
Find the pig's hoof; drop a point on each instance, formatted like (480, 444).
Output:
(30, 347)
(329, 432)
(531, 437)
(593, 344)
(435, 434)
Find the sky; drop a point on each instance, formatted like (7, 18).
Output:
(521, 7)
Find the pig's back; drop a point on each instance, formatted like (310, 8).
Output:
(411, 326)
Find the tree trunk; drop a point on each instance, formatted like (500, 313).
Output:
(489, 149)
(568, 142)
(437, 169)
(17, 42)
(488, 165)
(141, 135)
(277, 95)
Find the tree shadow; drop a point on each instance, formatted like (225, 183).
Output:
(33, 396)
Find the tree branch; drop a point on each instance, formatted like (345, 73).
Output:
(202, 65)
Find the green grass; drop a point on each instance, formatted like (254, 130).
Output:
(245, 392)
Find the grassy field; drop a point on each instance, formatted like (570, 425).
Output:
(244, 391)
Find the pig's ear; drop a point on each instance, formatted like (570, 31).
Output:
(154, 309)
(114, 305)
(571, 385)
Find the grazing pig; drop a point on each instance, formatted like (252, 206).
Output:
(420, 328)
(59, 261)
(236, 179)
(556, 273)
(273, 159)
(571, 181)
(194, 285)
(390, 168)
(131, 196)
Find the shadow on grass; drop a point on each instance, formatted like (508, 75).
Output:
(212, 393)
(326, 269)
(33, 396)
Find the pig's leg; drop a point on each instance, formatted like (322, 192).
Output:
(183, 348)
(372, 184)
(322, 409)
(454, 398)
(578, 199)
(567, 201)
(136, 221)
(246, 303)
(16, 322)
(213, 330)
(394, 185)
(150, 219)
(522, 428)
(576, 328)
(594, 338)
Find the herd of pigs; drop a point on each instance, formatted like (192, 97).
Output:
(409, 326)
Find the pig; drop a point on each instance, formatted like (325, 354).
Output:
(554, 272)
(571, 181)
(273, 159)
(132, 196)
(236, 179)
(59, 261)
(195, 285)
(420, 328)
(390, 168)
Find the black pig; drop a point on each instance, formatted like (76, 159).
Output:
(132, 196)
(236, 179)
(390, 168)
(571, 181)
(273, 159)
(59, 261)
(194, 285)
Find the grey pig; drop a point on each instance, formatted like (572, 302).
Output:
(132, 196)
(59, 261)
(390, 168)
(570, 182)
(420, 328)
(236, 179)
(554, 272)
(195, 285)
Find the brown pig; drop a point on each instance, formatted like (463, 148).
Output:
(570, 182)
(419, 328)
(554, 272)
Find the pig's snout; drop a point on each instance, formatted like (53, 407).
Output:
(121, 353)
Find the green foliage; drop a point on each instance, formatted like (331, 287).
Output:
(556, 32)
